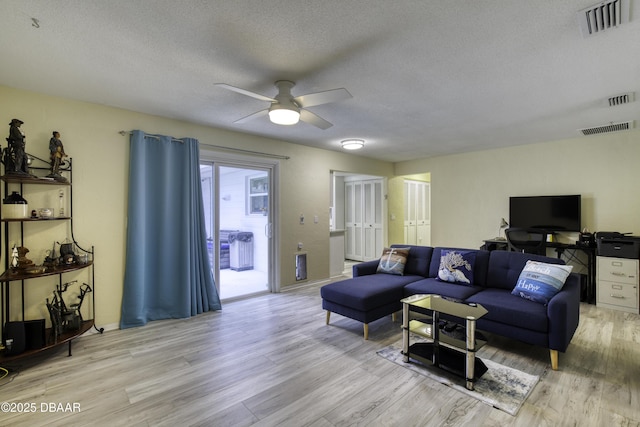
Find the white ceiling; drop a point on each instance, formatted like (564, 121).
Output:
(428, 77)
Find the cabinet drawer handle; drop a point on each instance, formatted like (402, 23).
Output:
(616, 296)
(616, 273)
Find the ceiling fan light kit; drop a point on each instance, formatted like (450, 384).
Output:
(283, 115)
(352, 144)
(288, 110)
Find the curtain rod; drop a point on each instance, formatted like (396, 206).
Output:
(123, 133)
(220, 147)
(240, 150)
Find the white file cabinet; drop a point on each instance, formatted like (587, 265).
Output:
(617, 285)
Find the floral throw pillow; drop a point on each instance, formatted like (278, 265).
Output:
(393, 261)
(456, 266)
(540, 281)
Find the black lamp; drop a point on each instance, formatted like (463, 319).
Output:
(503, 224)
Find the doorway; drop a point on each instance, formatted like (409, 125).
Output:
(238, 201)
(358, 209)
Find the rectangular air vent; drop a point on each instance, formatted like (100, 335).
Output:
(623, 98)
(603, 16)
(613, 127)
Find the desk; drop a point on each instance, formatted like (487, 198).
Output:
(589, 294)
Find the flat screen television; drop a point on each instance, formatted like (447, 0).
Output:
(552, 213)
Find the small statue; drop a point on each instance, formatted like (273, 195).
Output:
(63, 318)
(14, 257)
(56, 154)
(50, 260)
(23, 261)
(15, 156)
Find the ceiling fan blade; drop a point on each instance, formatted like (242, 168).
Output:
(245, 92)
(250, 117)
(319, 98)
(313, 119)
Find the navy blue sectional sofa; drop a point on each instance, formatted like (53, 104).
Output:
(369, 296)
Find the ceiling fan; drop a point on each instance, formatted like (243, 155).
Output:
(287, 110)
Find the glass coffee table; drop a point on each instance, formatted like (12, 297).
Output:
(443, 351)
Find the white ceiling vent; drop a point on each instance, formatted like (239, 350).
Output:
(623, 98)
(602, 16)
(613, 127)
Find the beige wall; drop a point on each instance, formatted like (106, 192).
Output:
(100, 157)
(470, 192)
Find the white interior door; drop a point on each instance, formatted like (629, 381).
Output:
(364, 216)
(423, 214)
(417, 213)
(372, 219)
(353, 220)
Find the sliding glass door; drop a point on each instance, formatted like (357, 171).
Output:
(239, 211)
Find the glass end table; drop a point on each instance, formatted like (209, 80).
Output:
(441, 350)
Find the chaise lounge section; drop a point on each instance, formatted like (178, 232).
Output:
(371, 295)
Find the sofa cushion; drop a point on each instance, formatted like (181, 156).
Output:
(393, 261)
(504, 307)
(479, 268)
(457, 266)
(367, 292)
(435, 286)
(418, 260)
(505, 267)
(540, 281)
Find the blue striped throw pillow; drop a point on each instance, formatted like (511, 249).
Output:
(540, 281)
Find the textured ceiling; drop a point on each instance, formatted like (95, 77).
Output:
(428, 77)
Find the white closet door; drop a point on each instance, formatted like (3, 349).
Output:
(353, 221)
(410, 225)
(417, 213)
(423, 214)
(372, 219)
(363, 220)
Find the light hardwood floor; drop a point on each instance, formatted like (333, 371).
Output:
(272, 361)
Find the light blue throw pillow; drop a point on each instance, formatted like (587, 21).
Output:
(540, 281)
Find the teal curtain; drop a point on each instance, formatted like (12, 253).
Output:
(167, 271)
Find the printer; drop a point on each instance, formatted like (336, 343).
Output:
(618, 245)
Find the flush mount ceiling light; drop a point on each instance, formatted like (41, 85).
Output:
(352, 144)
(284, 114)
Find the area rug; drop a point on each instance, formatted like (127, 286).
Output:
(502, 387)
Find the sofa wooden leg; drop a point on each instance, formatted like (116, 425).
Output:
(328, 316)
(554, 359)
(394, 316)
(366, 331)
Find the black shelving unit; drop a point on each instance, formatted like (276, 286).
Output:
(13, 278)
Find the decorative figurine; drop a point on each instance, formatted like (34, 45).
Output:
(23, 261)
(15, 156)
(50, 259)
(14, 257)
(65, 318)
(56, 154)
(19, 261)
